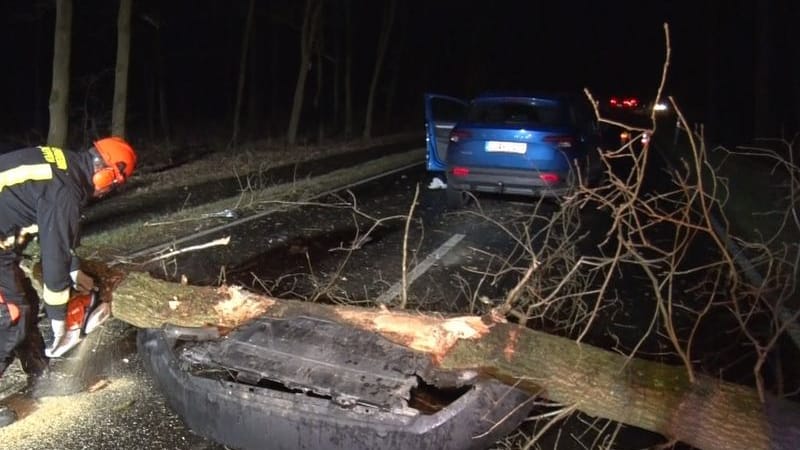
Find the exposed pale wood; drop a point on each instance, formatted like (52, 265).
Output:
(707, 414)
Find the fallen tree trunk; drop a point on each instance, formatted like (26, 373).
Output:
(708, 414)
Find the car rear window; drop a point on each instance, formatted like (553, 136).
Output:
(517, 113)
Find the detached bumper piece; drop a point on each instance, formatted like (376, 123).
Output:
(306, 383)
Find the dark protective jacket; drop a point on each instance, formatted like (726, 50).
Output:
(46, 187)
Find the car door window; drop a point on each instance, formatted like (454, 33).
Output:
(441, 114)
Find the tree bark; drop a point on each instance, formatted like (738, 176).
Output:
(348, 69)
(708, 414)
(59, 89)
(383, 43)
(118, 113)
(237, 109)
(308, 34)
(318, 104)
(764, 123)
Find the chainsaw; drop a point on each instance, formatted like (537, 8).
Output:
(85, 313)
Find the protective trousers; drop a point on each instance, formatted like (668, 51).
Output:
(22, 339)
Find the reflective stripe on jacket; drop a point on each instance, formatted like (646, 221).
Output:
(43, 189)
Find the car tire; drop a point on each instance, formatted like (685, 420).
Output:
(456, 198)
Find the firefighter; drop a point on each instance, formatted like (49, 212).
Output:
(42, 192)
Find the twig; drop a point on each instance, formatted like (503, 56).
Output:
(221, 241)
(404, 290)
(225, 214)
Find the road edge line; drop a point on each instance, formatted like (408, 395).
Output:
(420, 268)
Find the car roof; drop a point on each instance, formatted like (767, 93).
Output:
(551, 96)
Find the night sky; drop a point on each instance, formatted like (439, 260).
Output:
(723, 53)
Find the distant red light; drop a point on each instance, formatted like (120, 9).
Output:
(460, 171)
(626, 103)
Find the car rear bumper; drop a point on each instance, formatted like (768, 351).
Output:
(252, 417)
(509, 181)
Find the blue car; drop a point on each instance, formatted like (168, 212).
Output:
(521, 144)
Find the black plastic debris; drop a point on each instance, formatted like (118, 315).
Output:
(305, 383)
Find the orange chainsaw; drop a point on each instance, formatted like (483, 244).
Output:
(85, 312)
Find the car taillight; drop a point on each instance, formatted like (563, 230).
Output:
(459, 135)
(625, 103)
(549, 177)
(460, 171)
(560, 141)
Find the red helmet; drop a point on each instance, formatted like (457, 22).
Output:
(117, 165)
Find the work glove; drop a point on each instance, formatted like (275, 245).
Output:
(60, 339)
(59, 331)
(82, 283)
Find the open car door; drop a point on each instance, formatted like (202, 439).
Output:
(441, 115)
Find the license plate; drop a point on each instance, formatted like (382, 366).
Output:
(506, 147)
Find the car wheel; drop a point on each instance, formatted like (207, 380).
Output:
(456, 198)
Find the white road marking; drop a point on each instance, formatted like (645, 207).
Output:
(421, 268)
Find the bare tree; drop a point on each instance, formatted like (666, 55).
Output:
(383, 43)
(246, 33)
(764, 116)
(308, 35)
(320, 85)
(336, 95)
(59, 90)
(348, 68)
(119, 110)
(156, 83)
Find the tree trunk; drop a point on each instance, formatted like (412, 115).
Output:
(307, 36)
(383, 43)
(320, 90)
(39, 115)
(764, 117)
(163, 110)
(274, 97)
(708, 414)
(118, 112)
(156, 84)
(348, 69)
(59, 89)
(237, 109)
(394, 77)
(254, 98)
(336, 83)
